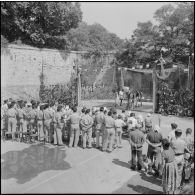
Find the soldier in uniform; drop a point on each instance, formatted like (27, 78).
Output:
(74, 127)
(109, 132)
(48, 117)
(11, 114)
(86, 125)
(58, 125)
(99, 126)
(39, 117)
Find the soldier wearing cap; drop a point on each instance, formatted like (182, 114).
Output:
(154, 140)
(58, 125)
(39, 116)
(179, 146)
(172, 133)
(109, 132)
(99, 126)
(86, 123)
(48, 117)
(119, 124)
(74, 120)
(148, 123)
(136, 140)
(12, 122)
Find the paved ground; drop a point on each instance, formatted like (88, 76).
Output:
(38, 168)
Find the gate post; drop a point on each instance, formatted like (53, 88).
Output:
(154, 89)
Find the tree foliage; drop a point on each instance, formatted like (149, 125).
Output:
(174, 33)
(93, 38)
(42, 24)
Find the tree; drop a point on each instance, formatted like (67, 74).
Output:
(42, 24)
(93, 38)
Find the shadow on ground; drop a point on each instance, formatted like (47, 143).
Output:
(26, 164)
(139, 182)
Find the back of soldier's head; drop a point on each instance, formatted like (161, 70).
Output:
(74, 109)
(109, 113)
(123, 111)
(59, 108)
(83, 110)
(101, 109)
(87, 111)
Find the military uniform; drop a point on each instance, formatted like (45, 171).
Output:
(109, 133)
(74, 129)
(39, 116)
(21, 115)
(48, 117)
(12, 122)
(119, 124)
(58, 125)
(99, 127)
(86, 124)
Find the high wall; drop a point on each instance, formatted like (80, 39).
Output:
(21, 67)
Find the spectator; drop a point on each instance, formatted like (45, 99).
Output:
(172, 133)
(170, 172)
(148, 123)
(154, 140)
(119, 124)
(136, 140)
(179, 147)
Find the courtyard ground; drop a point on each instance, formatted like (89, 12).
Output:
(38, 168)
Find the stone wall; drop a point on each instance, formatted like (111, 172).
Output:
(21, 67)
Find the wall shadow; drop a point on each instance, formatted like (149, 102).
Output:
(144, 190)
(121, 163)
(28, 163)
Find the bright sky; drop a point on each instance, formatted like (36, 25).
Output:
(120, 18)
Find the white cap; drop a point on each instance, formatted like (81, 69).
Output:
(156, 128)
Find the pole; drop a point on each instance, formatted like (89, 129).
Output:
(188, 84)
(122, 78)
(154, 88)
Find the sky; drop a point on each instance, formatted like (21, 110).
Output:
(120, 18)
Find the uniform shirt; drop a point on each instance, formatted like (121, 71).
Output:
(154, 137)
(171, 135)
(178, 145)
(57, 119)
(109, 122)
(20, 113)
(138, 138)
(131, 121)
(86, 122)
(119, 123)
(39, 115)
(168, 155)
(33, 114)
(121, 94)
(123, 116)
(11, 113)
(99, 120)
(189, 142)
(47, 114)
(4, 107)
(148, 121)
(75, 118)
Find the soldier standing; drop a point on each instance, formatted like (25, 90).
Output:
(11, 114)
(109, 132)
(58, 125)
(86, 124)
(74, 127)
(48, 117)
(99, 127)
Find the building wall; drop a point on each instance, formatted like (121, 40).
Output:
(21, 67)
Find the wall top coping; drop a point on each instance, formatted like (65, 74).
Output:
(45, 49)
